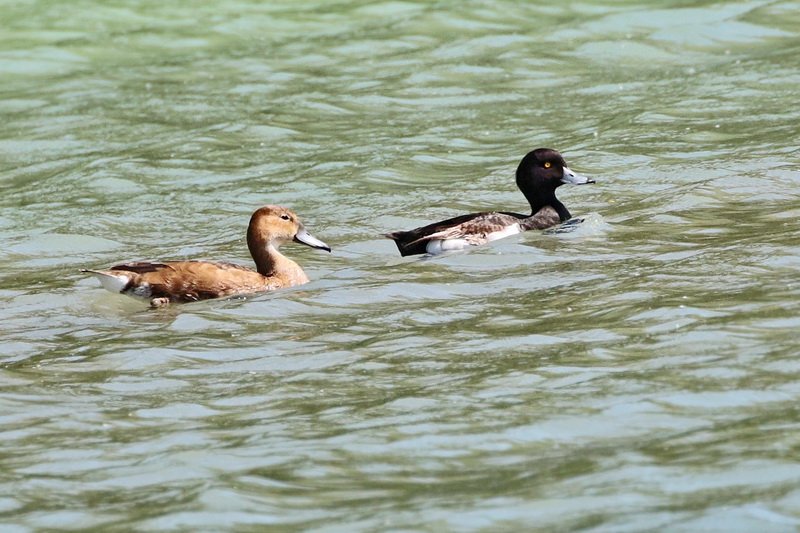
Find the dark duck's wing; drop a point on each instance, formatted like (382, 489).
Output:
(457, 232)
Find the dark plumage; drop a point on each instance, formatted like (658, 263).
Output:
(539, 174)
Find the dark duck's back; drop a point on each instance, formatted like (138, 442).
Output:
(539, 174)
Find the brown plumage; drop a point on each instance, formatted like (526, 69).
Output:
(187, 281)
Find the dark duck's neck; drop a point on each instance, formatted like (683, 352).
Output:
(540, 192)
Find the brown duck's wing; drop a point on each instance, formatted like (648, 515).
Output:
(473, 227)
(185, 281)
(544, 218)
(141, 267)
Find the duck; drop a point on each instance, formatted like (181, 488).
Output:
(539, 174)
(187, 281)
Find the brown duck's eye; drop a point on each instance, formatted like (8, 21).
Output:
(547, 164)
(286, 217)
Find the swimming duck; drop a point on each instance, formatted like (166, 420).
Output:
(187, 281)
(539, 174)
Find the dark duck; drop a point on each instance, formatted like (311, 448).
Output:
(539, 174)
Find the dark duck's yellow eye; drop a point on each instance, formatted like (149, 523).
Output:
(547, 164)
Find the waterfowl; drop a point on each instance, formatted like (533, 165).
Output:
(187, 281)
(539, 174)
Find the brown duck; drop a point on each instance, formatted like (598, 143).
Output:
(188, 281)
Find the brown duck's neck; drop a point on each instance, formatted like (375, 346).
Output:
(262, 251)
(270, 263)
(264, 259)
(267, 257)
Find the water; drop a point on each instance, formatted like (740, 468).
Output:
(637, 373)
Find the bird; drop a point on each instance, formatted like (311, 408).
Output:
(187, 281)
(539, 174)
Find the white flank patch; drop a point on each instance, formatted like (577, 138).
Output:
(440, 246)
(111, 282)
(505, 232)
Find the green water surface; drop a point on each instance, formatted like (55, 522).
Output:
(639, 373)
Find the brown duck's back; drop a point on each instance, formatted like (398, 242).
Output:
(197, 280)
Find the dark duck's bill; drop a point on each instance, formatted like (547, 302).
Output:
(539, 174)
(573, 178)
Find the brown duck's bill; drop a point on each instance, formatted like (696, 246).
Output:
(304, 237)
(573, 178)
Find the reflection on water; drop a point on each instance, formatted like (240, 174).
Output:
(636, 373)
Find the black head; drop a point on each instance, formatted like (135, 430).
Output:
(540, 173)
(541, 168)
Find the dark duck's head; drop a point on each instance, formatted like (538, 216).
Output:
(540, 173)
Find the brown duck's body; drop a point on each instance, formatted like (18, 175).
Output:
(187, 281)
(539, 174)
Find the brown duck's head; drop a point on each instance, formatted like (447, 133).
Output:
(275, 225)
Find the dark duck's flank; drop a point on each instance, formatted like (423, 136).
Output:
(539, 174)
